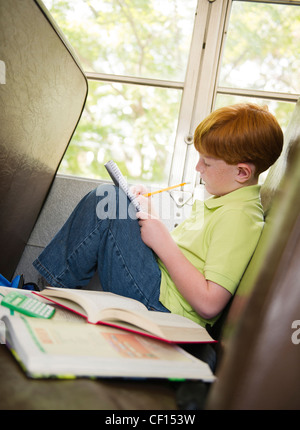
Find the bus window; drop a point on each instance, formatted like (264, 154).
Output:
(261, 58)
(135, 56)
(157, 68)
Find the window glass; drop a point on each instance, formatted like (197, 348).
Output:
(281, 110)
(132, 124)
(143, 38)
(261, 53)
(262, 47)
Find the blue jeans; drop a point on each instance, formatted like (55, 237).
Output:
(103, 234)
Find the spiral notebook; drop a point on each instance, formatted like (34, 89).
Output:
(120, 181)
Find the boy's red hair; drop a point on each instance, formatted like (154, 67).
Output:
(241, 133)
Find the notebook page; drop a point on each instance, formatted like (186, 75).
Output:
(120, 181)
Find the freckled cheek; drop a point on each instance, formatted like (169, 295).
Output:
(221, 177)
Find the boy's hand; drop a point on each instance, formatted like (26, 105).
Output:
(138, 190)
(153, 232)
(145, 202)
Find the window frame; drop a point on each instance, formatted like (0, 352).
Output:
(216, 15)
(200, 87)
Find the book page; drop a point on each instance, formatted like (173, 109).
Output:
(168, 326)
(48, 347)
(99, 341)
(90, 303)
(101, 299)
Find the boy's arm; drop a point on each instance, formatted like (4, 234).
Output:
(206, 297)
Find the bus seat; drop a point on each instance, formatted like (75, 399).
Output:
(258, 368)
(42, 100)
(277, 171)
(63, 196)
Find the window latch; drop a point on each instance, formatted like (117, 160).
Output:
(189, 139)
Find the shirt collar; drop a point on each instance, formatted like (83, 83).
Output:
(251, 192)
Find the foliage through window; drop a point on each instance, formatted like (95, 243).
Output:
(133, 124)
(136, 54)
(262, 54)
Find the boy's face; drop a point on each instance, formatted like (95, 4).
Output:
(218, 176)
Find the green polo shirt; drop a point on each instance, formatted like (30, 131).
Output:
(219, 239)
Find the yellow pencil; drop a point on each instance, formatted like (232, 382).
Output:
(165, 189)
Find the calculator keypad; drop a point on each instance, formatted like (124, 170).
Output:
(37, 307)
(28, 306)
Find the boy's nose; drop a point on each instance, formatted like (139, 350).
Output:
(200, 166)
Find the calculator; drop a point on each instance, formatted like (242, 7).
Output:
(28, 306)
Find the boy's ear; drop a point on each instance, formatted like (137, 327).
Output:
(245, 171)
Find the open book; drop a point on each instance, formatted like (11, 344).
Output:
(65, 346)
(59, 348)
(120, 181)
(99, 307)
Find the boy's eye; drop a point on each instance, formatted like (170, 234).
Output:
(204, 161)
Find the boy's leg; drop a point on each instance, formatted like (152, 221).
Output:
(102, 232)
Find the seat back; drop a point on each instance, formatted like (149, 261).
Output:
(42, 97)
(259, 364)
